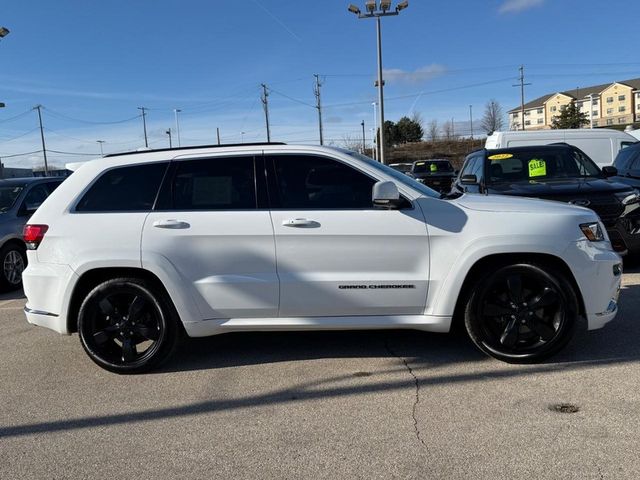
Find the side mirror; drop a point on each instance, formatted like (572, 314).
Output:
(386, 194)
(469, 180)
(609, 171)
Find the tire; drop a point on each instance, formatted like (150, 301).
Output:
(118, 316)
(13, 261)
(522, 313)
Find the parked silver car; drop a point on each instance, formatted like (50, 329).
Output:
(19, 199)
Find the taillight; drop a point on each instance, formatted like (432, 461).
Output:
(33, 235)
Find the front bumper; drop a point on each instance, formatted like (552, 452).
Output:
(598, 272)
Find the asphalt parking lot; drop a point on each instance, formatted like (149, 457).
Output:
(322, 405)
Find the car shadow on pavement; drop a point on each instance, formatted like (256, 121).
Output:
(12, 295)
(251, 348)
(616, 342)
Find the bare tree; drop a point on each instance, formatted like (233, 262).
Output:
(492, 120)
(351, 143)
(433, 130)
(448, 131)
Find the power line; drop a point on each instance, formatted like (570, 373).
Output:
(19, 136)
(67, 117)
(20, 115)
(291, 98)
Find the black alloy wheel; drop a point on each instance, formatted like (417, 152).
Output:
(126, 327)
(522, 313)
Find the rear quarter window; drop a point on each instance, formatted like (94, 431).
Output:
(124, 189)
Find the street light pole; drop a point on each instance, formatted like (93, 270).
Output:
(168, 132)
(374, 12)
(376, 138)
(364, 139)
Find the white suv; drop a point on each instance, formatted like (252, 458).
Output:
(134, 250)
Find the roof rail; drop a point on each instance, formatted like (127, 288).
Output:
(195, 147)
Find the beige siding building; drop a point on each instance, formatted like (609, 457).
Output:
(607, 105)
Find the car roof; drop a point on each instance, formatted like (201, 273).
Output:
(12, 182)
(433, 160)
(527, 148)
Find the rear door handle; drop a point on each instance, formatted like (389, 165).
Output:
(300, 223)
(171, 224)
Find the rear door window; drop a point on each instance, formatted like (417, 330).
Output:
(124, 189)
(218, 183)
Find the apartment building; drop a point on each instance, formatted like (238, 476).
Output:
(605, 105)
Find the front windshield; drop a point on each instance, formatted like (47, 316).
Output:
(533, 165)
(432, 166)
(8, 196)
(398, 176)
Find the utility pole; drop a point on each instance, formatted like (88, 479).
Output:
(176, 111)
(218, 133)
(364, 138)
(316, 91)
(471, 120)
(44, 148)
(265, 105)
(100, 142)
(522, 85)
(168, 132)
(144, 125)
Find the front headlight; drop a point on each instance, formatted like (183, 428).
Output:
(593, 231)
(629, 198)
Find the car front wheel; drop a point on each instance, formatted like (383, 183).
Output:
(126, 326)
(522, 313)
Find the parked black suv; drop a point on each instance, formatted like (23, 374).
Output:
(628, 165)
(558, 172)
(435, 173)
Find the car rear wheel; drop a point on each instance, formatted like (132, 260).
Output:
(522, 313)
(13, 260)
(126, 326)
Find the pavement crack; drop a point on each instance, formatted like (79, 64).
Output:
(416, 427)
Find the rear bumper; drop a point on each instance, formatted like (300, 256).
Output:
(48, 289)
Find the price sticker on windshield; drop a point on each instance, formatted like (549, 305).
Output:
(537, 168)
(501, 156)
(433, 167)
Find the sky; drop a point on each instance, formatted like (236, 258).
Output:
(92, 64)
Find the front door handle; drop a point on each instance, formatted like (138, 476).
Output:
(172, 224)
(300, 223)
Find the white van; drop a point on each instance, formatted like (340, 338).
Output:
(601, 144)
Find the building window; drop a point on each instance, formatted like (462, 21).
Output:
(621, 98)
(622, 108)
(527, 113)
(553, 109)
(595, 113)
(541, 111)
(580, 105)
(540, 121)
(594, 102)
(515, 115)
(563, 108)
(610, 121)
(595, 123)
(622, 120)
(609, 99)
(527, 122)
(609, 111)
